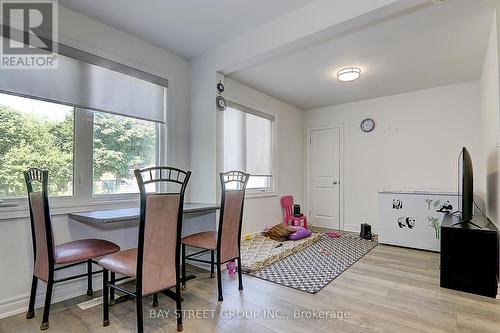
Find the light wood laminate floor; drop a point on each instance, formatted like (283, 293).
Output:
(391, 289)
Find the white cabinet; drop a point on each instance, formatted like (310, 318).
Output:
(413, 219)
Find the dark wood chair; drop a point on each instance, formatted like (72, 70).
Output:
(226, 241)
(46, 254)
(155, 262)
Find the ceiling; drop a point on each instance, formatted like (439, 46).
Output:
(433, 46)
(184, 27)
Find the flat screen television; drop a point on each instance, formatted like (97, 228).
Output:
(465, 186)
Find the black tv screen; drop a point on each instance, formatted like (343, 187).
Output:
(465, 185)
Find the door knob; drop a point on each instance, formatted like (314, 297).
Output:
(335, 182)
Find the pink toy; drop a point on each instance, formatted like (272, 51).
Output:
(231, 268)
(325, 252)
(300, 233)
(333, 234)
(294, 221)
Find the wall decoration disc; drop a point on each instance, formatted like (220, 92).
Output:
(221, 103)
(220, 87)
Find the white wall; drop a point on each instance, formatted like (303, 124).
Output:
(15, 239)
(490, 111)
(264, 211)
(319, 19)
(414, 146)
(84, 33)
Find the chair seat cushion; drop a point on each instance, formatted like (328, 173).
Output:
(204, 240)
(123, 262)
(83, 249)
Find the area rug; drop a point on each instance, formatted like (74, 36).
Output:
(314, 267)
(260, 251)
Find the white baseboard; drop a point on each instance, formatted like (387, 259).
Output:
(61, 292)
(66, 290)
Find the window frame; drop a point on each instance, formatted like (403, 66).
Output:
(83, 195)
(258, 112)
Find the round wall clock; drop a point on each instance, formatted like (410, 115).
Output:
(367, 125)
(221, 103)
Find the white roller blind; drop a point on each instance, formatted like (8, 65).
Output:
(258, 145)
(89, 86)
(234, 141)
(247, 142)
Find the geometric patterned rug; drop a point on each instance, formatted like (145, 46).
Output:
(316, 266)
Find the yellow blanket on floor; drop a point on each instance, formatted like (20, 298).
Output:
(261, 251)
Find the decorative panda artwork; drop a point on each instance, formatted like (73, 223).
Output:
(429, 203)
(397, 204)
(406, 221)
(436, 224)
(413, 218)
(446, 207)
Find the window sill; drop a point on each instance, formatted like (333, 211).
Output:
(7, 205)
(20, 209)
(255, 195)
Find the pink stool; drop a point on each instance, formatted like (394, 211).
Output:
(289, 218)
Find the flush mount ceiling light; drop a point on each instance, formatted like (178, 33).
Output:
(348, 74)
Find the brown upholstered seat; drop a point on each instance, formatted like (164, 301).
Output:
(83, 249)
(225, 241)
(155, 262)
(205, 240)
(123, 262)
(46, 254)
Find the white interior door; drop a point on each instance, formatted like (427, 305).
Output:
(324, 181)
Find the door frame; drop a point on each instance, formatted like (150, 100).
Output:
(341, 169)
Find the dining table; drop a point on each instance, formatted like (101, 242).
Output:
(124, 216)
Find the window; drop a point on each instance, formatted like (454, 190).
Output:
(249, 145)
(90, 155)
(121, 145)
(35, 133)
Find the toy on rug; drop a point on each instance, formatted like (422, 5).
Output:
(333, 234)
(279, 232)
(231, 268)
(300, 233)
(325, 252)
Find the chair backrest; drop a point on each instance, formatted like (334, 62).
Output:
(41, 227)
(287, 205)
(160, 227)
(234, 184)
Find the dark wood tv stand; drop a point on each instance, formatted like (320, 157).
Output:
(469, 255)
